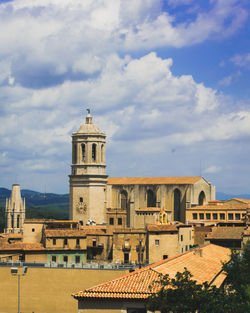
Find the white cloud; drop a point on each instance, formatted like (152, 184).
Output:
(212, 169)
(242, 60)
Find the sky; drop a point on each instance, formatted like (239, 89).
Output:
(167, 80)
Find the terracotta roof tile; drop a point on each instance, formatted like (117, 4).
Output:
(150, 209)
(162, 228)
(204, 263)
(226, 232)
(22, 246)
(64, 233)
(152, 180)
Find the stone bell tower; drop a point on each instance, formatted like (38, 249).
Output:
(15, 211)
(88, 179)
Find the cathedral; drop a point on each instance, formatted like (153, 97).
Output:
(125, 201)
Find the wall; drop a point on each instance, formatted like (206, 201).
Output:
(168, 245)
(30, 236)
(48, 290)
(186, 238)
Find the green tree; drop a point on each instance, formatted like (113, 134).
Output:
(182, 294)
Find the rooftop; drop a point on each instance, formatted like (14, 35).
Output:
(64, 233)
(204, 263)
(226, 232)
(162, 228)
(152, 180)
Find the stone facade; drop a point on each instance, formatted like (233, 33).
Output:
(15, 211)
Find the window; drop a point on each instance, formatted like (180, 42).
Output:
(77, 259)
(94, 152)
(215, 216)
(119, 221)
(54, 241)
(151, 199)
(126, 257)
(18, 221)
(12, 221)
(202, 198)
(53, 258)
(222, 216)
(81, 199)
(83, 152)
(208, 216)
(230, 216)
(94, 242)
(186, 247)
(65, 258)
(177, 205)
(157, 242)
(65, 242)
(77, 241)
(201, 215)
(181, 237)
(194, 216)
(124, 199)
(33, 230)
(237, 216)
(111, 221)
(165, 256)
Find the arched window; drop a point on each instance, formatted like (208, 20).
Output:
(102, 153)
(83, 152)
(177, 205)
(12, 221)
(202, 198)
(18, 221)
(94, 152)
(151, 199)
(74, 158)
(124, 199)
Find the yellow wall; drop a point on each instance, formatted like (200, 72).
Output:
(48, 290)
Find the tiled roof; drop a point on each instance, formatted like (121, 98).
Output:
(152, 180)
(22, 246)
(64, 233)
(204, 263)
(220, 206)
(150, 209)
(162, 228)
(226, 232)
(11, 235)
(96, 230)
(247, 201)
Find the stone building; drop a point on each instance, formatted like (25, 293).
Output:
(15, 211)
(93, 195)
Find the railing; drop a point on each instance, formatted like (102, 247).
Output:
(106, 266)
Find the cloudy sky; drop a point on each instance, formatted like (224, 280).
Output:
(167, 80)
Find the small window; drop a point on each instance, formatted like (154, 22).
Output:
(222, 216)
(18, 221)
(77, 259)
(78, 241)
(230, 216)
(83, 152)
(208, 216)
(65, 258)
(157, 242)
(119, 221)
(201, 215)
(215, 216)
(186, 247)
(54, 241)
(81, 199)
(111, 221)
(181, 237)
(194, 216)
(93, 152)
(53, 258)
(126, 257)
(33, 230)
(94, 242)
(65, 242)
(165, 256)
(237, 216)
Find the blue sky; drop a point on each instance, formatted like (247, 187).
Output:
(167, 80)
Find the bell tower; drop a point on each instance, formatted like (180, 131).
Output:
(88, 177)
